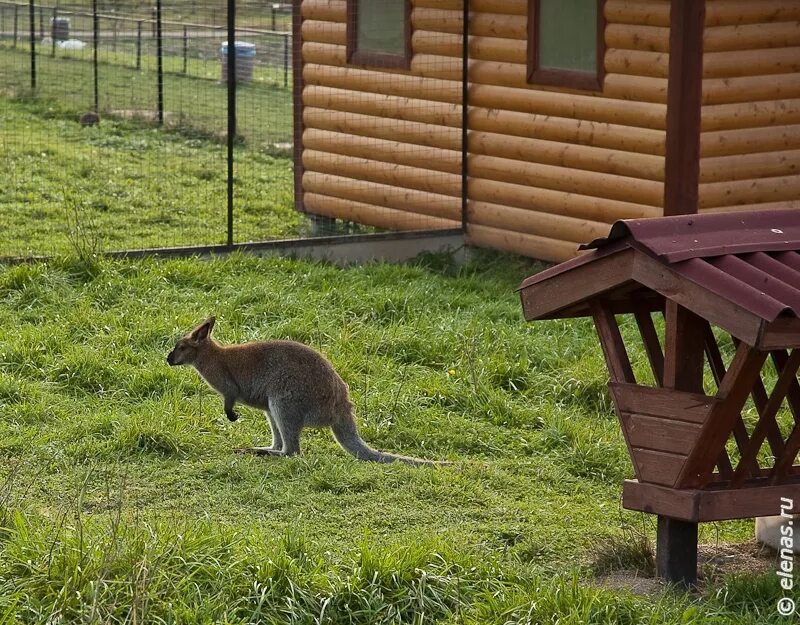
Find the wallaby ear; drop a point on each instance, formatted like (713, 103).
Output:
(203, 331)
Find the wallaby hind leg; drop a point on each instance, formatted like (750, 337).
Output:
(277, 439)
(288, 417)
(276, 449)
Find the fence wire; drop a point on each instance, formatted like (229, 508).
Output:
(115, 125)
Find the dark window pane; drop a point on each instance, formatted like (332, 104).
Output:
(381, 26)
(568, 34)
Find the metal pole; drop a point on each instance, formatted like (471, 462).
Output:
(32, 10)
(95, 63)
(286, 61)
(139, 44)
(464, 114)
(159, 63)
(52, 31)
(185, 48)
(16, 24)
(231, 109)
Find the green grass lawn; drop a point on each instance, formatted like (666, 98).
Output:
(121, 500)
(127, 185)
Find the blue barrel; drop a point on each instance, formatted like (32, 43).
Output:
(245, 59)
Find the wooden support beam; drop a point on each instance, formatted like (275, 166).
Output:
(684, 97)
(676, 550)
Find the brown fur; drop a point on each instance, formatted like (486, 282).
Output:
(296, 386)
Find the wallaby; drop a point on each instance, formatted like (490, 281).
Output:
(294, 384)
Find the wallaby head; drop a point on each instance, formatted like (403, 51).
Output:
(186, 349)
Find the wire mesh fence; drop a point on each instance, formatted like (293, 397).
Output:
(121, 128)
(115, 125)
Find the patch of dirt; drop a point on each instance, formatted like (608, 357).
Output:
(713, 562)
(717, 560)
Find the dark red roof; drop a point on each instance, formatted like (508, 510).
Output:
(750, 259)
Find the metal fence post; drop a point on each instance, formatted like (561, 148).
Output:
(32, 10)
(95, 63)
(231, 109)
(159, 63)
(286, 60)
(185, 49)
(139, 44)
(16, 24)
(52, 34)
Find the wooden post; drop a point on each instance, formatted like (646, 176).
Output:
(676, 551)
(684, 93)
(676, 541)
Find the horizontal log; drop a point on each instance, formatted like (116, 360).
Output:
(327, 54)
(441, 44)
(750, 166)
(325, 10)
(542, 248)
(751, 62)
(576, 106)
(767, 206)
(378, 128)
(743, 115)
(409, 200)
(637, 63)
(728, 12)
(569, 155)
(534, 222)
(568, 180)
(643, 12)
(378, 105)
(382, 173)
(318, 31)
(571, 105)
(422, 65)
(568, 130)
(637, 37)
(557, 202)
(749, 141)
(434, 159)
(500, 25)
(437, 20)
(377, 216)
(357, 79)
(751, 88)
(751, 36)
(640, 88)
(736, 192)
(480, 48)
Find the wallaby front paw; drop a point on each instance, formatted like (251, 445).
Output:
(259, 451)
(232, 416)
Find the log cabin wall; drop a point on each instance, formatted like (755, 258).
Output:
(548, 168)
(750, 141)
(381, 146)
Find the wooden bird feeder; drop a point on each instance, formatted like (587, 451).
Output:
(726, 283)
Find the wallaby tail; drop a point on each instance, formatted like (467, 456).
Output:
(346, 434)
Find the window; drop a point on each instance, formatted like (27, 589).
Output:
(566, 43)
(379, 33)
